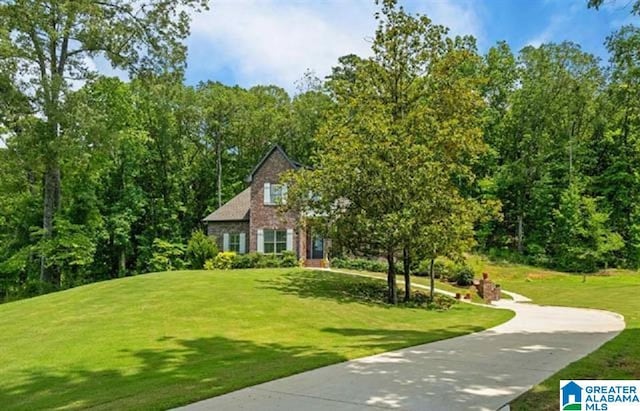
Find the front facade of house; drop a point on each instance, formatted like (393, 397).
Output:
(251, 222)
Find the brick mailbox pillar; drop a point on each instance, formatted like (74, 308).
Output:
(488, 290)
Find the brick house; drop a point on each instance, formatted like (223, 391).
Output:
(251, 222)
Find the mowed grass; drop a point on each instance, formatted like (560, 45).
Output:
(612, 290)
(161, 340)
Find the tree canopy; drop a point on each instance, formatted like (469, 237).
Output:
(426, 148)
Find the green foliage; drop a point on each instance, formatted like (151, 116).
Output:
(583, 241)
(224, 260)
(200, 249)
(228, 260)
(249, 260)
(424, 146)
(209, 265)
(268, 261)
(288, 259)
(166, 256)
(463, 275)
(71, 251)
(399, 143)
(443, 269)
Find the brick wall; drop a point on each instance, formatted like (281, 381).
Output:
(266, 216)
(218, 228)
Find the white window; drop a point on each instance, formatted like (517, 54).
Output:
(275, 193)
(275, 241)
(235, 242)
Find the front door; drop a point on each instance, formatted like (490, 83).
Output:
(317, 247)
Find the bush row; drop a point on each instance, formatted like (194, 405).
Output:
(231, 260)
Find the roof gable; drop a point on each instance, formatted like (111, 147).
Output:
(294, 164)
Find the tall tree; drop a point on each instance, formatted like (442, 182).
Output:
(51, 43)
(615, 147)
(394, 147)
(541, 137)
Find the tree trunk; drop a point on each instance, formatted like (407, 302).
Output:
(391, 279)
(432, 285)
(219, 169)
(51, 205)
(520, 238)
(122, 263)
(407, 274)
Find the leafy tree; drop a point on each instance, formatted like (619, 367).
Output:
(50, 44)
(166, 256)
(403, 126)
(615, 147)
(583, 240)
(541, 139)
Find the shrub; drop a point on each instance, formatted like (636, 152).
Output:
(441, 302)
(200, 249)
(209, 264)
(253, 260)
(268, 261)
(464, 275)
(224, 260)
(288, 259)
(246, 260)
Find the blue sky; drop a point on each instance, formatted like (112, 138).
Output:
(249, 42)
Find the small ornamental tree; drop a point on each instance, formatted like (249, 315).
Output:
(200, 249)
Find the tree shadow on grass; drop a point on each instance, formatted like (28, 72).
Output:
(182, 372)
(395, 339)
(331, 286)
(185, 371)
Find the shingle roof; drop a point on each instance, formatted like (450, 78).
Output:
(236, 209)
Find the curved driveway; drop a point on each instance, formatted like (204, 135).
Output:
(481, 371)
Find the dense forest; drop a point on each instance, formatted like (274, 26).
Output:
(97, 181)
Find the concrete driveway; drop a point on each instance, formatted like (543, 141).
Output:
(481, 371)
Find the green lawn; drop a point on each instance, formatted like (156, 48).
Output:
(161, 340)
(613, 290)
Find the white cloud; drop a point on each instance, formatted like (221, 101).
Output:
(558, 23)
(270, 41)
(273, 42)
(462, 17)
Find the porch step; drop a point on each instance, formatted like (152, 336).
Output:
(314, 262)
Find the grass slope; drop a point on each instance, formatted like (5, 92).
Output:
(166, 339)
(613, 290)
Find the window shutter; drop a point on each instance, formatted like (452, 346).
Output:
(289, 239)
(243, 243)
(260, 241)
(267, 193)
(284, 194)
(225, 242)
